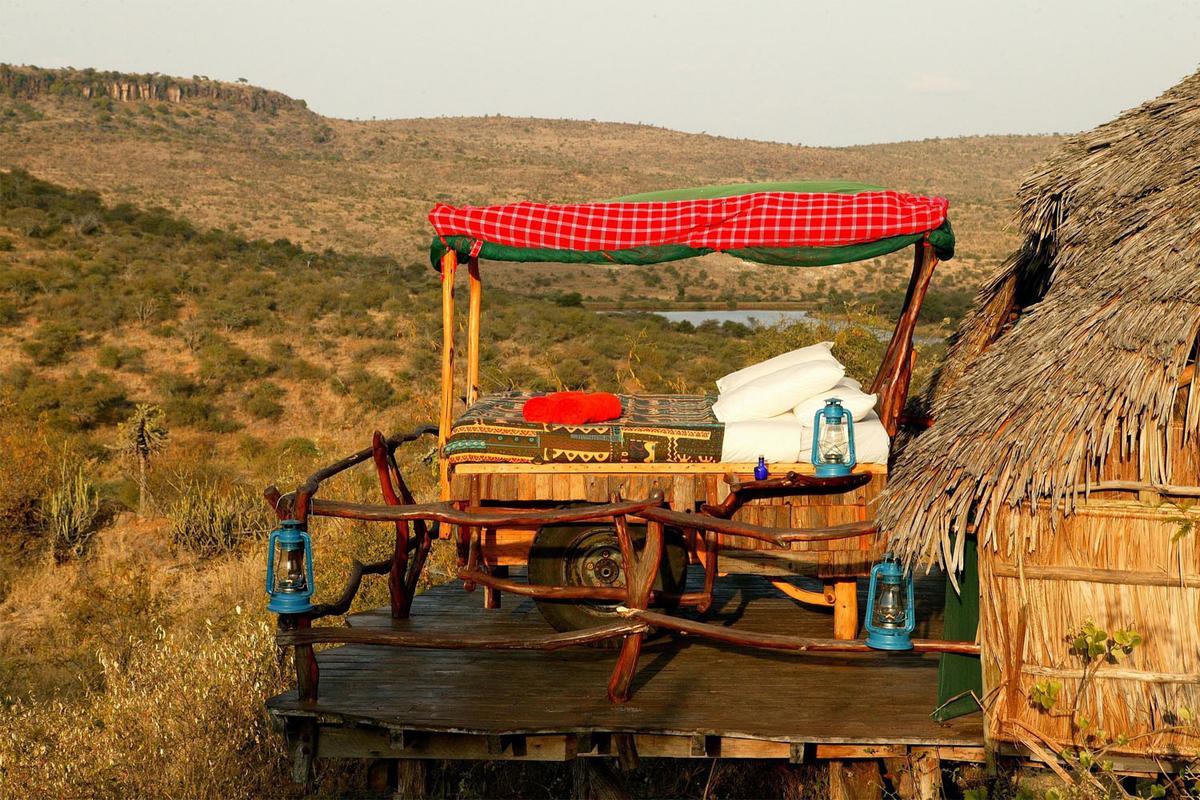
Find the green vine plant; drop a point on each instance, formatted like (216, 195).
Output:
(1086, 759)
(1184, 521)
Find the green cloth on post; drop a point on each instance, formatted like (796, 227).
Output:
(958, 673)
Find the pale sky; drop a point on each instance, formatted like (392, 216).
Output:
(821, 73)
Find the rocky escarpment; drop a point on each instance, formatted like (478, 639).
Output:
(28, 83)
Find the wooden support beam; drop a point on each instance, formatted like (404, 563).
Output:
(895, 373)
(626, 749)
(446, 409)
(927, 772)
(826, 597)
(474, 321)
(301, 638)
(845, 609)
(300, 733)
(855, 780)
(776, 641)
(1096, 575)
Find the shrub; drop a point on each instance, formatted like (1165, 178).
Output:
(114, 357)
(76, 402)
(208, 519)
(262, 402)
(52, 343)
(369, 389)
(25, 474)
(225, 364)
(71, 513)
(6, 244)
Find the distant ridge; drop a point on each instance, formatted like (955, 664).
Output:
(30, 82)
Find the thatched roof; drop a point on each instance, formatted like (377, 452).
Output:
(1076, 344)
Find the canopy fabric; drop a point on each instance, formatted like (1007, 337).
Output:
(792, 224)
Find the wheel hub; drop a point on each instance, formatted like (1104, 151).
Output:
(594, 559)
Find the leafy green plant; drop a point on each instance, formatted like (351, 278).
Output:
(1044, 694)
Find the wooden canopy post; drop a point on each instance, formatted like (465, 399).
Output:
(446, 415)
(474, 319)
(891, 382)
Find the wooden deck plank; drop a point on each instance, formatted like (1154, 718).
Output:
(683, 687)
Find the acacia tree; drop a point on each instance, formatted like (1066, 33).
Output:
(143, 435)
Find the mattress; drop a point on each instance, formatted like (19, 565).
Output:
(653, 428)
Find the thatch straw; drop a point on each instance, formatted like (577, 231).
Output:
(1074, 349)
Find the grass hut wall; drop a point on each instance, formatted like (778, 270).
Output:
(1065, 441)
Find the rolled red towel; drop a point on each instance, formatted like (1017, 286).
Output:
(537, 409)
(603, 406)
(572, 408)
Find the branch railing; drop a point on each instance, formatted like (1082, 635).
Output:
(414, 531)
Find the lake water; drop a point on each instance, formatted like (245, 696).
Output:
(761, 316)
(767, 317)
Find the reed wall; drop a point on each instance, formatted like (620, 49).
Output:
(1120, 564)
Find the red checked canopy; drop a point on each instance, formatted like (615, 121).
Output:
(804, 224)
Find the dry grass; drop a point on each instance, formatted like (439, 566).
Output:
(182, 716)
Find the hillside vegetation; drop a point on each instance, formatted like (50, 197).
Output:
(281, 170)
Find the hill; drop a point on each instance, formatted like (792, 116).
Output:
(253, 161)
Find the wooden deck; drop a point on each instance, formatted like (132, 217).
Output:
(691, 698)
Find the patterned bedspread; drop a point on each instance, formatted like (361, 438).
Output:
(652, 428)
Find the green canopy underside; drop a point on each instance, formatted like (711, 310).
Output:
(941, 238)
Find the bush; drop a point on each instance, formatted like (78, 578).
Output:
(210, 520)
(52, 343)
(76, 402)
(114, 357)
(71, 513)
(369, 389)
(262, 402)
(25, 474)
(225, 364)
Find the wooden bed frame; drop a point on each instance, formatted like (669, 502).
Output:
(686, 487)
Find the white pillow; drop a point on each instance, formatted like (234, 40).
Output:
(871, 442)
(778, 392)
(851, 382)
(777, 440)
(856, 402)
(735, 379)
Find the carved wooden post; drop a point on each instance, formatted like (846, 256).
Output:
(396, 575)
(304, 659)
(446, 414)
(845, 608)
(891, 382)
(474, 320)
(639, 582)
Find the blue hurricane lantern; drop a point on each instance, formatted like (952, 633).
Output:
(833, 440)
(890, 606)
(290, 550)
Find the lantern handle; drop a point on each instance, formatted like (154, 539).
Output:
(850, 435)
(308, 560)
(271, 543)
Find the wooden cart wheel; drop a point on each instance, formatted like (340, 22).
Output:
(588, 555)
